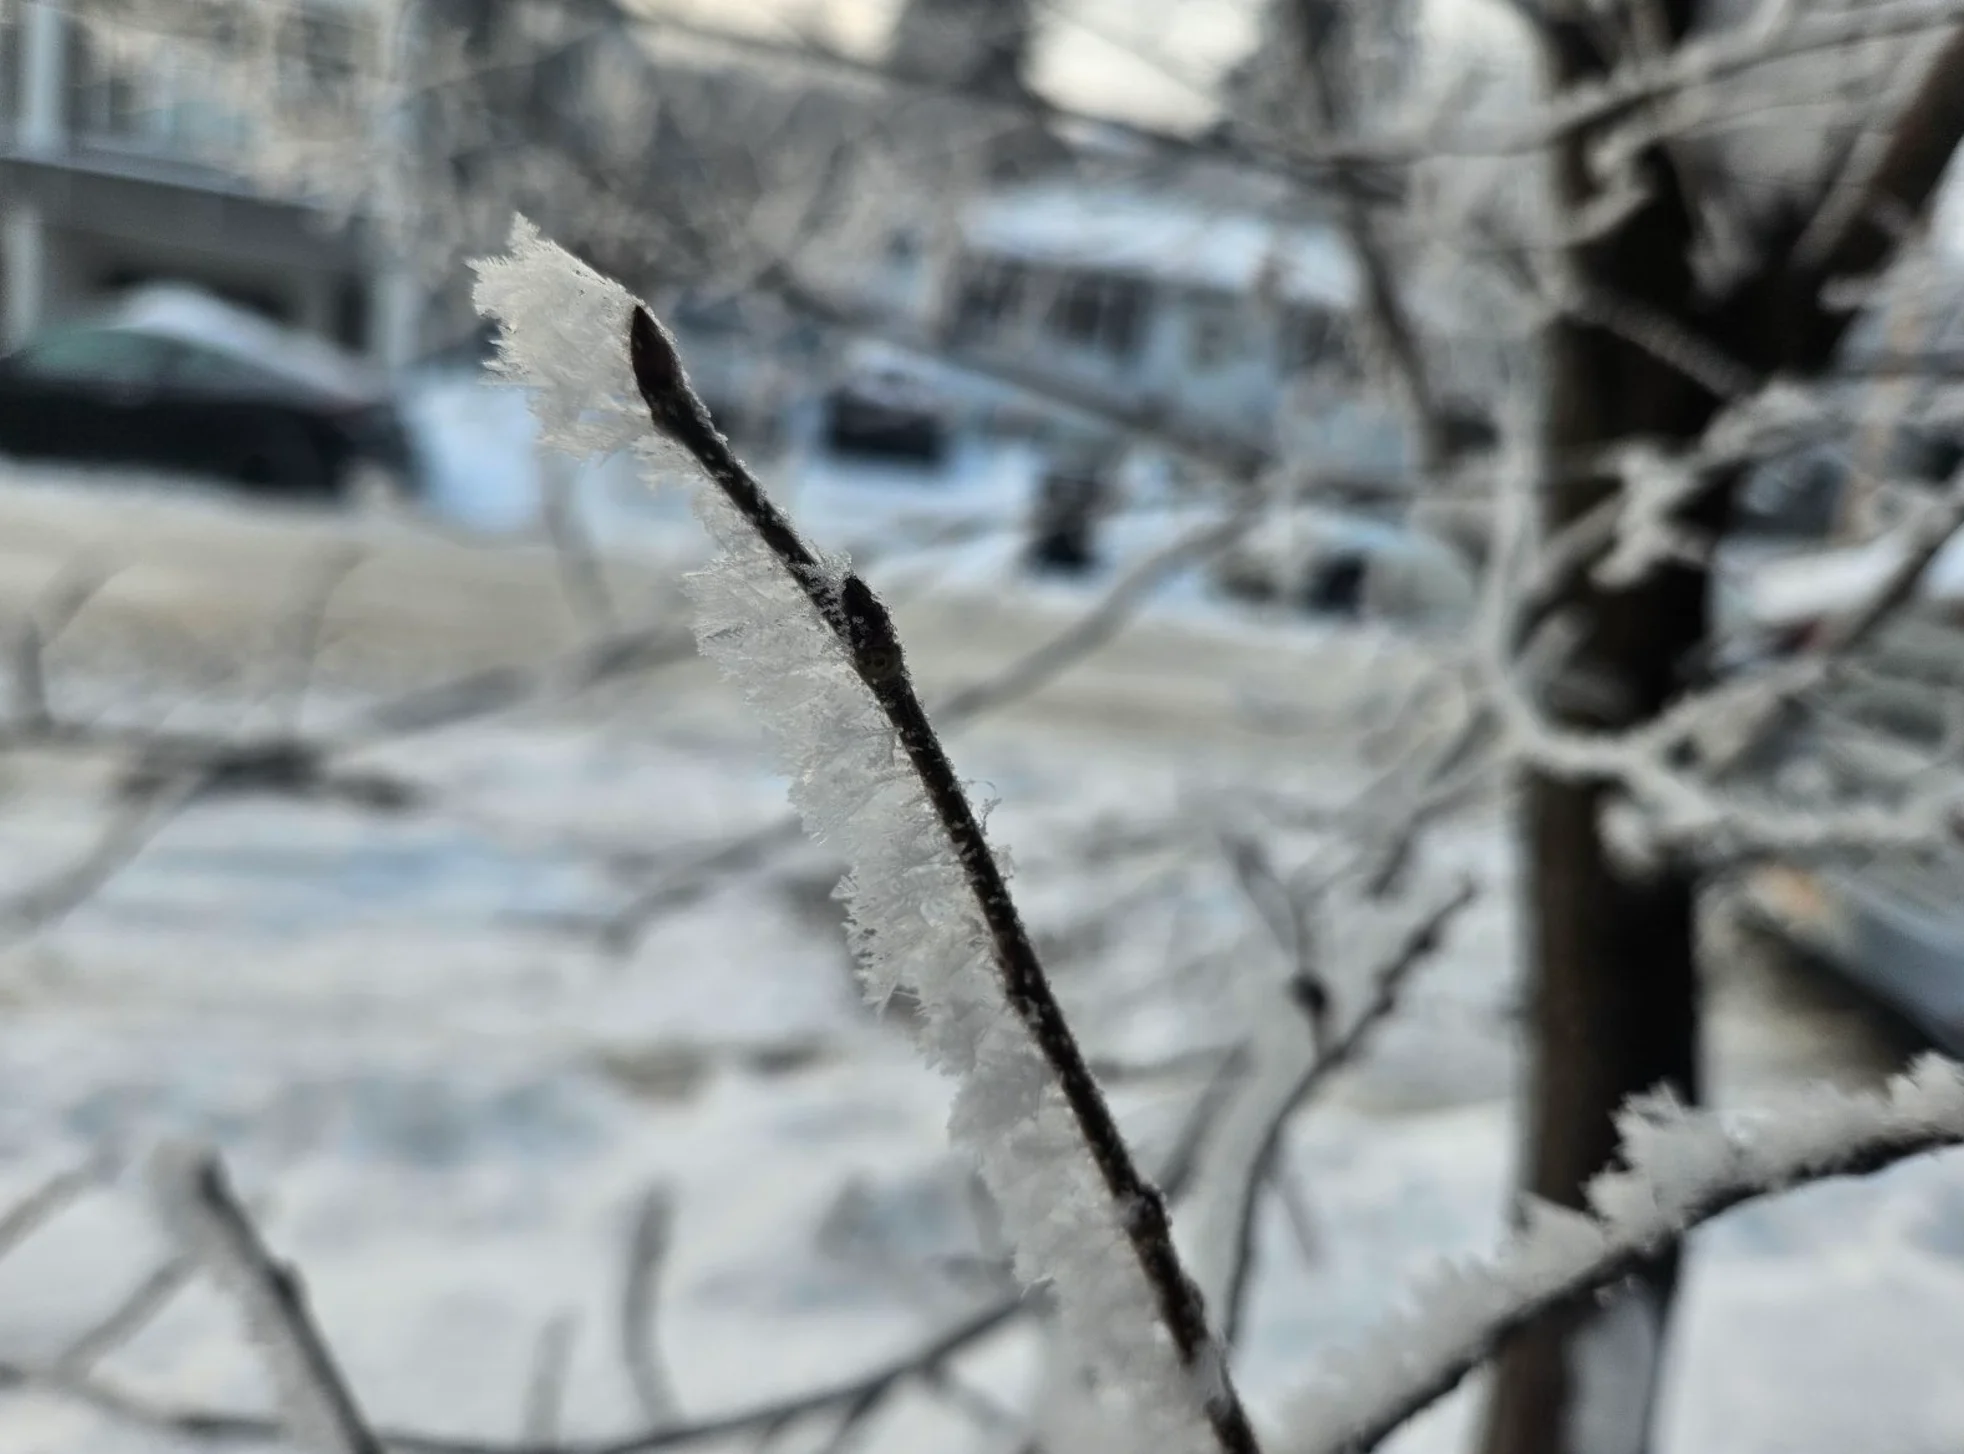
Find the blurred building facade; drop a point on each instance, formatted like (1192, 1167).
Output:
(1155, 295)
(113, 175)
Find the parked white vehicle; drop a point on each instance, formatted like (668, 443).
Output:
(1348, 564)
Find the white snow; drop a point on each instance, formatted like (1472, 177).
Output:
(402, 1037)
(915, 924)
(1164, 239)
(1815, 584)
(189, 315)
(1679, 1167)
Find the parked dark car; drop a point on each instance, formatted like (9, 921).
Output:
(1889, 924)
(888, 409)
(175, 380)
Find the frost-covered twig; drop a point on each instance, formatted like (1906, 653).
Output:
(47, 1201)
(294, 663)
(545, 1392)
(1027, 673)
(150, 805)
(647, 1255)
(1682, 1168)
(818, 655)
(128, 1318)
(1726, 53)
(214, 1426)
(316, 1408)
(927, 1363)
(1289, 915)
(1678, 805)
(1919, 542)
(582, 576)
(173, 769)
(63, 600)
(1271, 1118)
(1097, 625)
(479, 694)
(1384, 306)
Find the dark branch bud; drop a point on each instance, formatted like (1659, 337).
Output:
(875, 645)
(663, 382)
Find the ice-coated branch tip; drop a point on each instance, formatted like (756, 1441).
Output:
(818, 657)
(673, 404)
(861, 625)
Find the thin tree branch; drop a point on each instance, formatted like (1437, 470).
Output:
(47, 1201)
(1042, 664)
(63, 601)
(128, 1318)
(860, 623)
(582, 578)
(149, 806)
(545, 1392)
(1693, 1167)
(1384, 301)
(316, 1408)
(214, 1426)
(304, 634)
(1415, 946)
(647, 1255)
(924, 1362)
(1681, 809)
(1904, 176)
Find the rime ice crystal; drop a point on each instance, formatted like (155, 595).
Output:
(584, 397)
(913, 919)
(1681, 1167)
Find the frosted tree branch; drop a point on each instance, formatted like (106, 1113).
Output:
(316, 1407)
(136, 1311)
(1724, 55)
(647, 1254)
(40, 1206)
(818, 655)
(545, 1392)
(1682, 1168)
(1016, 679)
(66, 597)
(1250, 1148)
(1661, 765)
(212, 1426)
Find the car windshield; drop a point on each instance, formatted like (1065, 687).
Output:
(207, 370)
(97, 355)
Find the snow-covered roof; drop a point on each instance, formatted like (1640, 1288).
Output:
(1815, 583)
(1164, 238)
(190, 315)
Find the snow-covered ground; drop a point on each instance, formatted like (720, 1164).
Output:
(408, 1038)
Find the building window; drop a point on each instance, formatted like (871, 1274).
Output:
(319, 52)
(1215, 336)
(1313, 338)
(991, 295)
(351, 314)
(104, 100)
(1099, 312)
(10, 63)
(173, 96)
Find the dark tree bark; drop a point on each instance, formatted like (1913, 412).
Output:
(1610, 957)
(978, 49)
(972, 46)
(1612, 978)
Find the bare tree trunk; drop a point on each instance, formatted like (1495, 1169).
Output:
(978, 49)
(1610, 957)
(1612, 978)
(972, 46)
